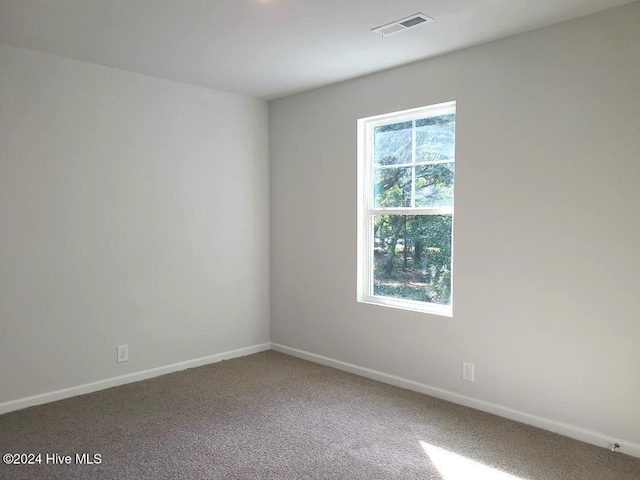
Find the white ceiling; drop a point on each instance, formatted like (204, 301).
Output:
(267, 48)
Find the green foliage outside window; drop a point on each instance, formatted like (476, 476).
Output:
(413, 167)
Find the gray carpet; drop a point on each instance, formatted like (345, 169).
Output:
(272, 416)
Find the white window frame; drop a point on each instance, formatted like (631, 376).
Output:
(366, 209)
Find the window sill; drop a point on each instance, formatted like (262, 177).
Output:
(411, 305)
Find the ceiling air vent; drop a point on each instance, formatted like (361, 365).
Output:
(402, 25)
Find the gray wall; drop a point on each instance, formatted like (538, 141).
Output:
(133, 211)
(546, 227)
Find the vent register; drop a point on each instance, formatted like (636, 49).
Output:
(402, 25)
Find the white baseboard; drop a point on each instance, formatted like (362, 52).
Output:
(573, 431)
(129, 378)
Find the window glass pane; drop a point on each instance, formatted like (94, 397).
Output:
(434, 185)
(435, 138)
(392, 187)
(412, 257)
(392, 144)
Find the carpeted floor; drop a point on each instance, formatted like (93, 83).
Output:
(273, 416)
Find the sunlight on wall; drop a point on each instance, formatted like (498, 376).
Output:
(456, 467)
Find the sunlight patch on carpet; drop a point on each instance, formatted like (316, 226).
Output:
(456, 467)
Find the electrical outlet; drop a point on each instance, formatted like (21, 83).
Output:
(123, 353)
(467, 371)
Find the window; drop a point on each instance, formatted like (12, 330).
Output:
(405, 208)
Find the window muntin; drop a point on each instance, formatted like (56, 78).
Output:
(406, 176)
